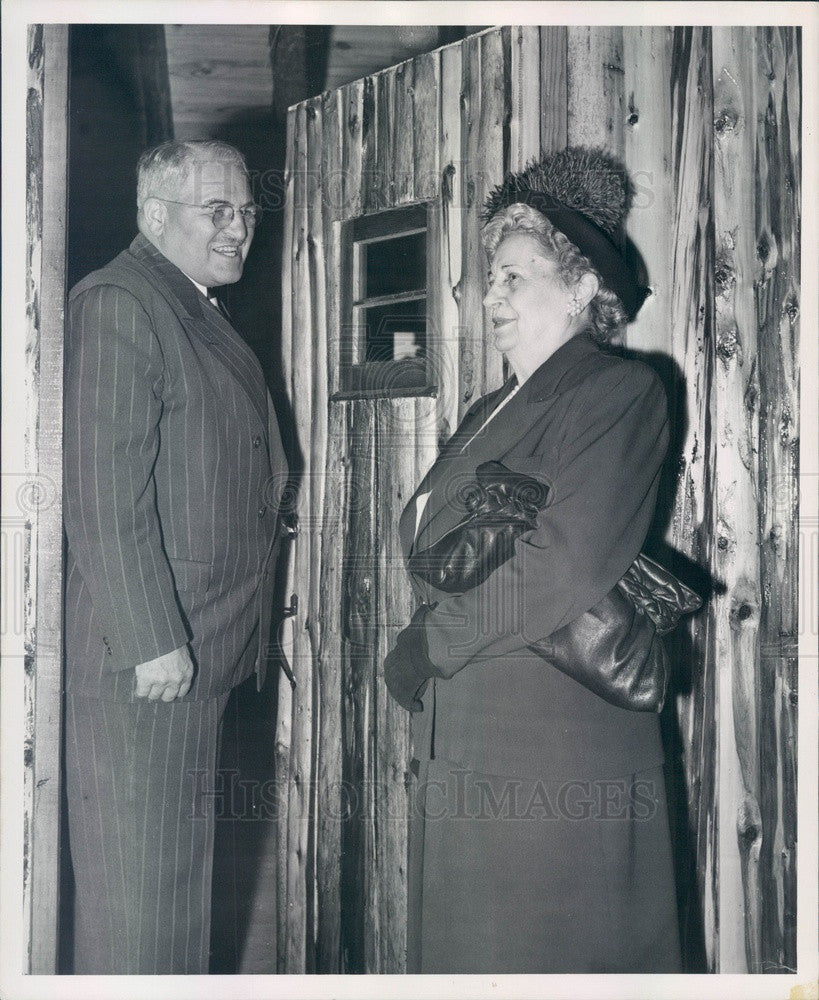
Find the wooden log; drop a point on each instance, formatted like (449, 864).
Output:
(330, 549)
(554, 94)
(446, 234)
(357, 125)
(777, 286)
(691, 314)
(284, 722)
(470, 356)
(426, 96)
(330, 801)
(380, 156)
(402, 118)
(395, 465)
(316, 439)
(493, 153)
(648, 160)
(40, 495)
(289, 185)
(485, 141)
(283, 741)
(525, 122)
(359, 888)
(735, 393)
(370, 195)
(150, 68)
(298, 820)
(442, 342)
(332, 185)
(426, 451)
(595, 87)
(289, 61)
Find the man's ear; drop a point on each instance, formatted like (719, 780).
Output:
(155, 212)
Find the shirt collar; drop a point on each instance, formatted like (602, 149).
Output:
(202, 288)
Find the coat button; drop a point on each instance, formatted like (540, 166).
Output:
(257, 441)
(261, 511)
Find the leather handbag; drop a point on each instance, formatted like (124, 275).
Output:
(613, 649)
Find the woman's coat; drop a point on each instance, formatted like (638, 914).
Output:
(593, 427)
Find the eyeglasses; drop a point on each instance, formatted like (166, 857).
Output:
(222, 214)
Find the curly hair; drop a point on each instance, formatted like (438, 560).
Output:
(607, 315)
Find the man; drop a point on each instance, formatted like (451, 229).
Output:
(173, 473)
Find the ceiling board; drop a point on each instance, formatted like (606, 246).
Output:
(217, 73)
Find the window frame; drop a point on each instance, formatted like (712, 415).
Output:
(355, 377)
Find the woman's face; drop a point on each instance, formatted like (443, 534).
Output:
(527, 302)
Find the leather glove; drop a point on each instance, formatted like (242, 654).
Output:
(407, 668)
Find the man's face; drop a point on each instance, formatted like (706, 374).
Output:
(188, 236)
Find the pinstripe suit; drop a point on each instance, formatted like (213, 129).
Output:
(173, 474)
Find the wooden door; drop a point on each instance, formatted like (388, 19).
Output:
(689, 110)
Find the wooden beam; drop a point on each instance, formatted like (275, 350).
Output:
(595, 87)
(47, 123)
(554, 95)
(735, 400)
(777, 170)
(648, 160)
(146, 56)
(691, 339)
(329, 551)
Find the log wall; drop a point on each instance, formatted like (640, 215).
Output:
(39, 496)
(708, 124)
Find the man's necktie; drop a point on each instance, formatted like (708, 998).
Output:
(216, 302)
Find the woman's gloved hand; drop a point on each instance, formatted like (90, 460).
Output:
(407, 668)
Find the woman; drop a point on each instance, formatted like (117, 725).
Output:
(539, 837)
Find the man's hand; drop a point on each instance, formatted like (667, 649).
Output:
(167, 677)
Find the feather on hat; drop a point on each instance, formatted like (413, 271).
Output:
(588, 180)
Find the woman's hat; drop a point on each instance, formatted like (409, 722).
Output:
(584, 193)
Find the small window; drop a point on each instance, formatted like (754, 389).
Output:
(384, 351)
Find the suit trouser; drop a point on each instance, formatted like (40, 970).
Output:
(140, 781)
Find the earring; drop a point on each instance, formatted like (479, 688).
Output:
(574, 308)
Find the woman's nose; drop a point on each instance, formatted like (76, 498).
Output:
(492, 297)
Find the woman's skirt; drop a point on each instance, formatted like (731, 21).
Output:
(513, 875)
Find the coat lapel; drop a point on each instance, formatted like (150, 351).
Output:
(458, 467)
(204, 321)
(466, 450)
(472, 420)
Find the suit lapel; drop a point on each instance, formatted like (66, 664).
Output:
(204, 321)
(226, 344)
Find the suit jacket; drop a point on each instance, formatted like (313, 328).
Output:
(593, 427)
(174, 470)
